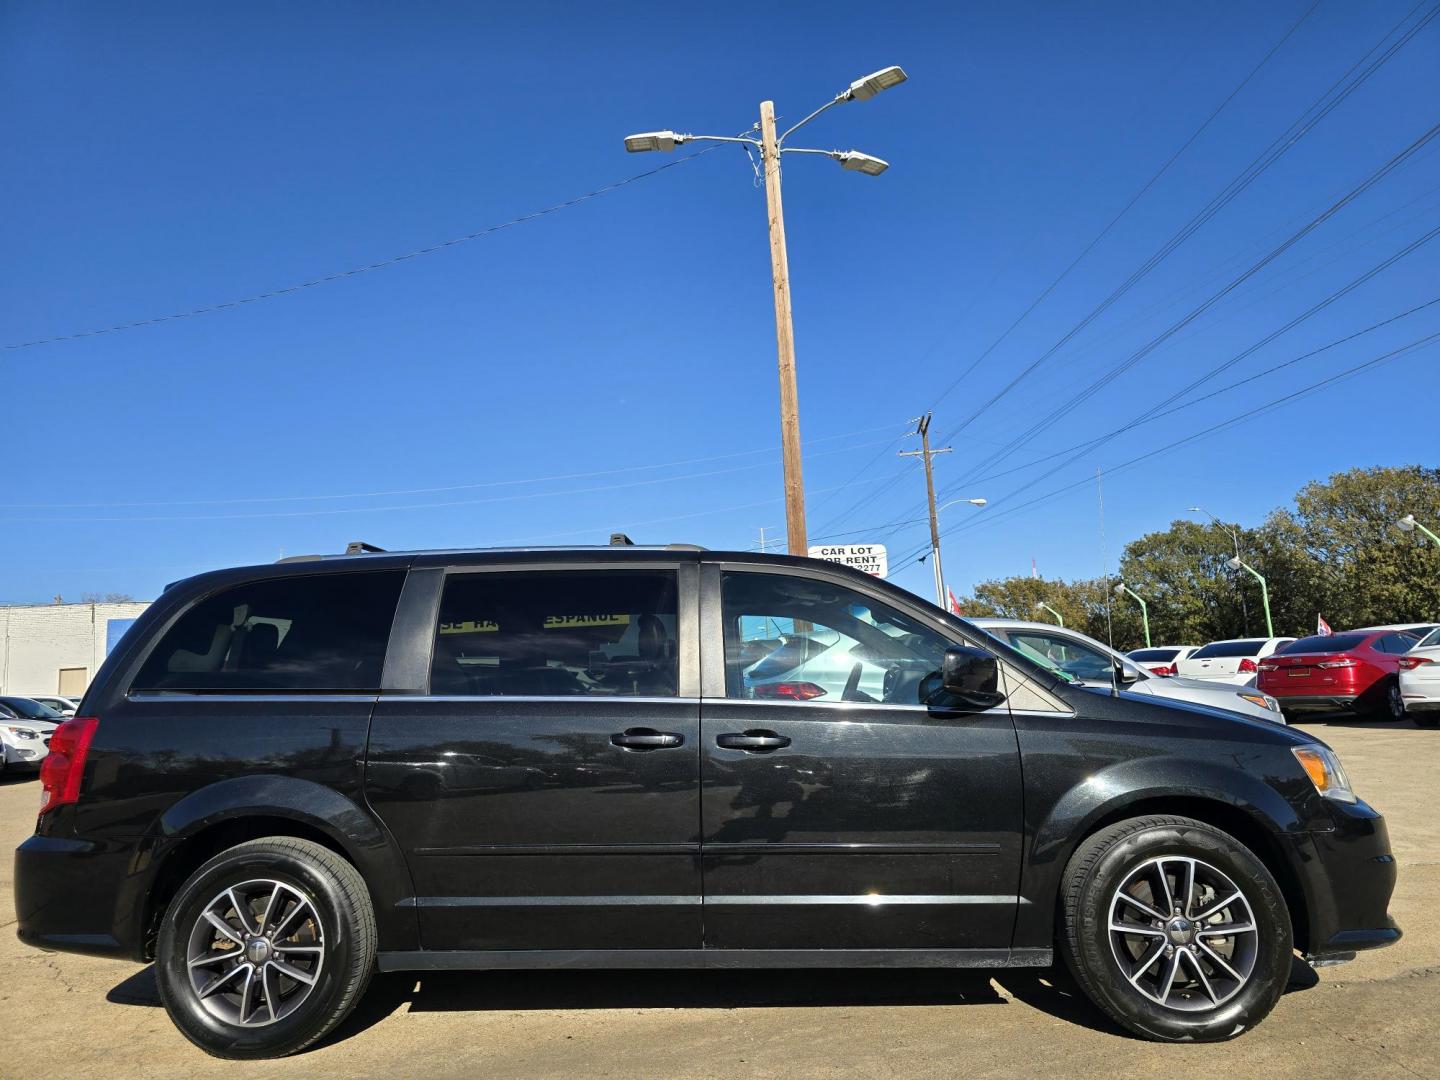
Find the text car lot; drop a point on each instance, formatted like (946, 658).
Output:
(1373, 1017)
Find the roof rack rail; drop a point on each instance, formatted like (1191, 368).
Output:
(360, 547)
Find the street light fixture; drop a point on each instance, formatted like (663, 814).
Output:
(1122, 589)
(770, 148)
(1040, 605)
(1238, 563)
(977, 503)
(1409, 524)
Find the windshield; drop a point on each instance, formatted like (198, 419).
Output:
(1229, 648)
(1153, 655)
(30, 710)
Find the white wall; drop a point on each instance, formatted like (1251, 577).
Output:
(36, 641)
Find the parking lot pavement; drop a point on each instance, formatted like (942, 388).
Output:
(1375, 1017)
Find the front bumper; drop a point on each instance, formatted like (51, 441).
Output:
(1348, 874)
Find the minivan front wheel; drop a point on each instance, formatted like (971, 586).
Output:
(265, 948)
(1175, 929)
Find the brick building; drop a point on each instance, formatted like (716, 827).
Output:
(57, 648)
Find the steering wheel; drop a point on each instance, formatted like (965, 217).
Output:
(852, 684)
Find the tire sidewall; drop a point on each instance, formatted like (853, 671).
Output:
(231, 868)
(1274, 946)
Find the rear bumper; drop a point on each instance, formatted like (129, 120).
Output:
(66, 893)
(1348, 874)
(1313, 702)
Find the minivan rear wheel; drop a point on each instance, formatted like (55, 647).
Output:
(265, 948)
(1175, 929)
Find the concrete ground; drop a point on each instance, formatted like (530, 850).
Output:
(1376, 1017)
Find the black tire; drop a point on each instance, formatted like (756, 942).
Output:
(1394, 705)
(1111, 858)
(342, 929)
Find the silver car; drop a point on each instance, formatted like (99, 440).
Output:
(1080, 658)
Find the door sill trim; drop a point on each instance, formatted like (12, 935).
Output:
(715, 959)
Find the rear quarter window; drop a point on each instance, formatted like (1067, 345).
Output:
(321, 632)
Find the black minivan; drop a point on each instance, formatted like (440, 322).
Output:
(288, 776)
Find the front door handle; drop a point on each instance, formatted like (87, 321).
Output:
(644, 738)
(756, 741)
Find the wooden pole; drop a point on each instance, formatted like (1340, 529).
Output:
(925, 453)
(784, 339)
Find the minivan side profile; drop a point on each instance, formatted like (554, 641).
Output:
(287, 777)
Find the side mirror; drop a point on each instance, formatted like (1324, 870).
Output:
(971, 677)
(1125, 675)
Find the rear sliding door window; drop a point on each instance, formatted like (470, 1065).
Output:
(326, 632)
(601, 633)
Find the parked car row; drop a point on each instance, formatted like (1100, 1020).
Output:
(1386, 672)
(26, 725)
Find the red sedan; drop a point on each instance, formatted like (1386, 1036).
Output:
(1355, 671)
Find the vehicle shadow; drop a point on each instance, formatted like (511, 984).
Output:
(15, 776)
(1049, 990)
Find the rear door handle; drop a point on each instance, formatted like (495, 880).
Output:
(756, 741)
(644, 738)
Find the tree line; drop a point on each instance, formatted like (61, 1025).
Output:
(1336, 552)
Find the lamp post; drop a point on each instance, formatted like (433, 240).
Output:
(1409, 524)
(1040, 605)
(1235, 536)
(771, 148)
(1238, 563)
(1121, 589)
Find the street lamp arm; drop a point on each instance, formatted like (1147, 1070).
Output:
(836, 100)
(717, 138)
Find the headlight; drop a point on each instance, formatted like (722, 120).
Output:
(1265, 701)
(21, 732)
(1325, 772)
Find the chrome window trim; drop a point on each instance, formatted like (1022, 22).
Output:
(634, 699)
(260, 696)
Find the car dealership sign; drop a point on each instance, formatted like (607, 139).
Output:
(870, 558)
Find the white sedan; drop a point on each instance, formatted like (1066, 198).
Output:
(65, 706)
(1420, 681)
(1234, 660)
(25, 730)
(1161, 659)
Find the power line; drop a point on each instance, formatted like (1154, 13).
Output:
(1269, 406)
(451, 487)
(1124, 210)
(592, 489)
(357, 270)
(1154, 343)
(1268, 157)
(1225, 365)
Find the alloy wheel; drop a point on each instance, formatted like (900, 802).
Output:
(1183, 933)
(255, 953)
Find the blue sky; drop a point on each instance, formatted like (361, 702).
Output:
(612, 365)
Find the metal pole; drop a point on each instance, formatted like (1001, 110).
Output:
(784, 337)
(1058, 617)
(1434, 539)
(1264, 596)
(1144, 610)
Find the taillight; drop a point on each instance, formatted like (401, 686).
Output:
(1410, 663)
(1343, 661)
(62, 768)
(1247, 665)
(1166, 671)
(789, 691)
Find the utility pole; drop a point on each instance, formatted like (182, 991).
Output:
(923, 430)
(784, 338)
(771, 147)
